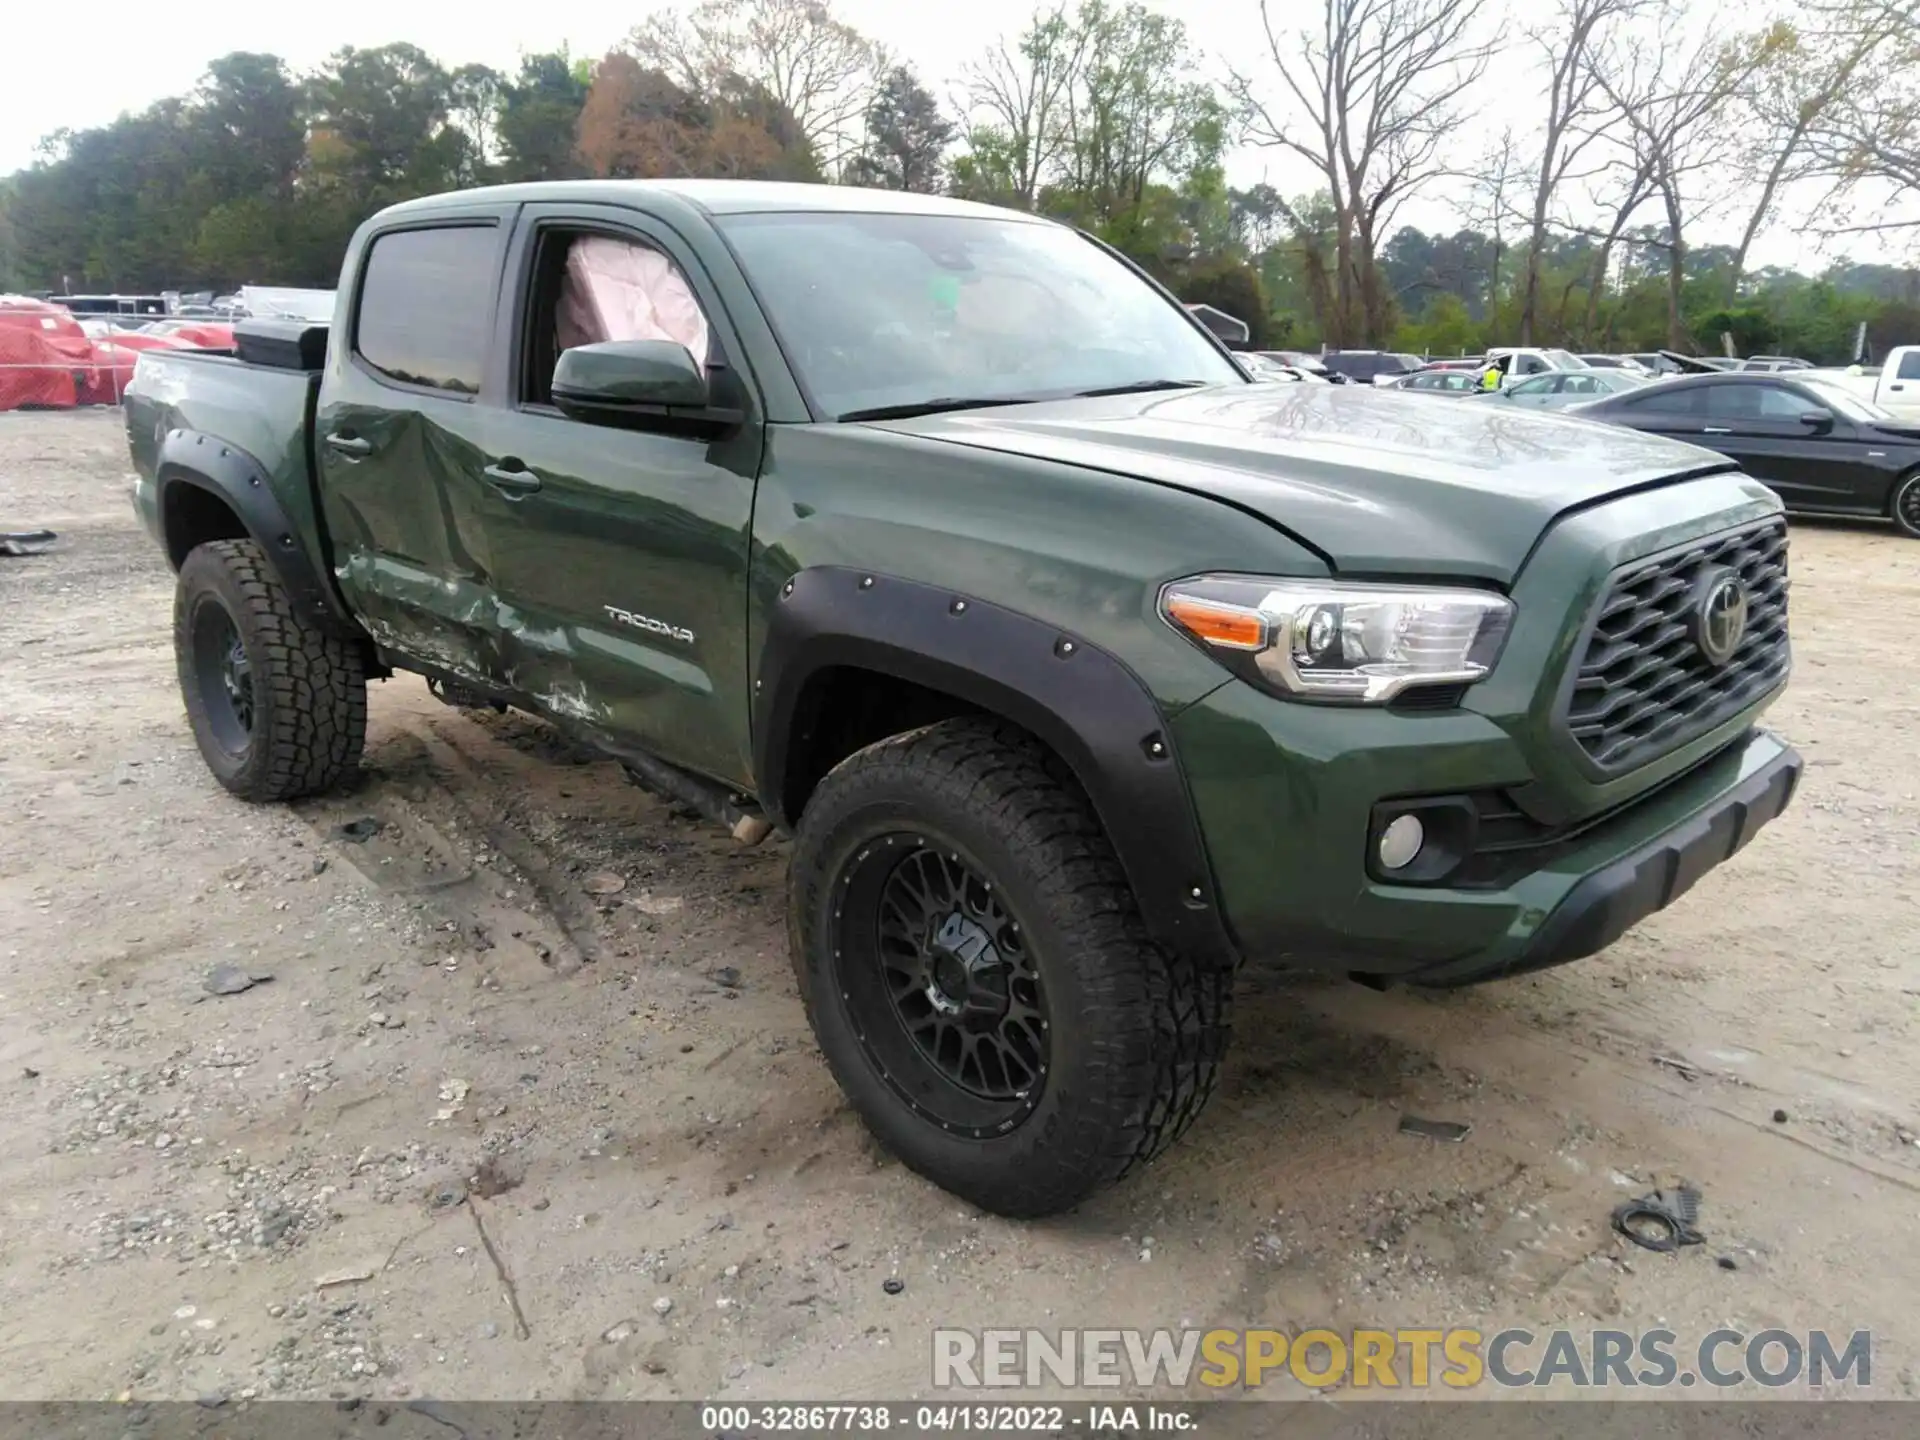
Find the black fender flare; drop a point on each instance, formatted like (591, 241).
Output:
(230, 474)
(1080, 700)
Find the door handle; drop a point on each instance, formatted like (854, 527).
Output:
(512, 478)
(1896, 386)
(1716, 430)
(349, 444)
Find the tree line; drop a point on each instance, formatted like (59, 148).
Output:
(1581, 206)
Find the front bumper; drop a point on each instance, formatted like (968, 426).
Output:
(1284, 794)
(1601, 908)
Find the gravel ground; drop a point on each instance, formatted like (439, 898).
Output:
(514, 1098)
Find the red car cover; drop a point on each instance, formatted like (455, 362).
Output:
(205, 336)
(45, 357)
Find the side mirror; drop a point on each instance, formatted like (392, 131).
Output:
(642, 384)
(1817, 419)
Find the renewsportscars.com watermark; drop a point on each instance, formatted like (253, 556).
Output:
(1414, 1359)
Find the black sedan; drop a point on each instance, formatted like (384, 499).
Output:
(1825, 450)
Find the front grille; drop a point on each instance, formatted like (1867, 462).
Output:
(1641, 685)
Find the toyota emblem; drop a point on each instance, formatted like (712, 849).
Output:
(1720, 617)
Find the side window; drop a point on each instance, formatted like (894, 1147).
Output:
(1531, 365)
(1664, 401)
(1777, 402)
(1579, 385)
(589, 288)
(1753, 402)
(426, 306)
(1909, 366)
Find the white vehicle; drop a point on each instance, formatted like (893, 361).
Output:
(1894, 386)
(1265, 367)
(1527, 360)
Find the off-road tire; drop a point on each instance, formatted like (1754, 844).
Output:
(308, 687)
(1137, 1035)
(1905, 509)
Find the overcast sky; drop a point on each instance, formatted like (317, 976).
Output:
(55, 73)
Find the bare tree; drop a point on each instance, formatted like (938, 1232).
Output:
(822, 71)
(1017, 95)
(1577, 111)
(1367, 97)
(1633, 185)
(1869, 135)
(1489, 205)
(1673, 97)
(1814, 67)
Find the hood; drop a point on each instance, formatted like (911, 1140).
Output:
(1378, 483)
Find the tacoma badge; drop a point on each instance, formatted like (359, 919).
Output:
(648, 623)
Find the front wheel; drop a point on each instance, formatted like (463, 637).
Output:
(979, 978)
(278, 706)
(1906, 506)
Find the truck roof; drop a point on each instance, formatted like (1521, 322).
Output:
(720, 197)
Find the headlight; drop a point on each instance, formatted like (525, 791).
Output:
(1347, 644)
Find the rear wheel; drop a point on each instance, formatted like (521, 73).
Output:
(278, 706)
(1906, 506)
(979, 978)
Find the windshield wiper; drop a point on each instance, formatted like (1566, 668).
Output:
(1139, 387)
(934, 407)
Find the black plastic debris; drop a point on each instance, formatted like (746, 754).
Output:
(358, 832)
(1664, 1220)
(25, 542)
(1451, 1130)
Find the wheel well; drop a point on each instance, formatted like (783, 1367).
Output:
(192, 516)
(843, 709)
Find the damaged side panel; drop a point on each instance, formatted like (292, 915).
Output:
(410, 550)
(622, 585)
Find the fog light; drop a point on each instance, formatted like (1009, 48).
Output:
(1400, 842)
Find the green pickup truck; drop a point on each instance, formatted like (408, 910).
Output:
(1079, 667)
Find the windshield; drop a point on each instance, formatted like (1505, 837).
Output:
(884, 311)
(1838, 397)
(1566, 360)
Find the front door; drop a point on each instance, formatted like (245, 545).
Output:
(1763, 425)
(397, 441)
(620, 555)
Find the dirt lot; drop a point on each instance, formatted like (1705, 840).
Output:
(497, 1128)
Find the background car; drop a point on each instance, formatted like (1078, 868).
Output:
(1438, 382)
(1774, 362)
(1371, 367)
(1307, 364)
(1562, 388)
(1821, 448)
(1524, 360)
(1264, 367)
(1619, 362)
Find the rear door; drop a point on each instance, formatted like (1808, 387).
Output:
(1672, 408)
(621, 554)
(397, 440)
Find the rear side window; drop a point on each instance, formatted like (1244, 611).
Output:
(426, 306)
(1910, 365)
(1660, 400)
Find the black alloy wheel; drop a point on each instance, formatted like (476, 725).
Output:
(223, 674)
(944, 997)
